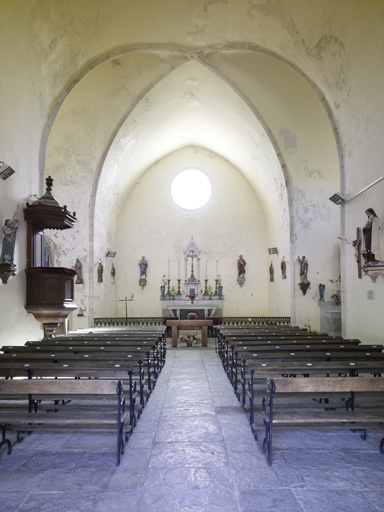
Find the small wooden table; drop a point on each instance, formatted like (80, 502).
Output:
(190, 324)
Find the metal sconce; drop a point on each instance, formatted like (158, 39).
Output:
(5, 171)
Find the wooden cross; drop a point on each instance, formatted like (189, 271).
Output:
(357, 246)
(126, 307)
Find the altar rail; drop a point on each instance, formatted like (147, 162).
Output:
(252, 320)
(132, 321)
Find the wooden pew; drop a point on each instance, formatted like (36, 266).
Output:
(141, 364)
(354, 416)
(85, 418)
(253, 385)
(307, 353)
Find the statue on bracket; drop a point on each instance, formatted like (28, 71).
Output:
(100, 270)
(283, 266)
(79, 269)
(7, 267)
(113, 273)
(304, 283)
(321, 291)
(373, 266)
(143, 264)
(241, 270)
(371, 238)
(271, 273)
(9, 240)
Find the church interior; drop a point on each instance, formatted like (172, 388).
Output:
(277, 105)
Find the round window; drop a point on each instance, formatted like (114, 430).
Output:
(191, 189)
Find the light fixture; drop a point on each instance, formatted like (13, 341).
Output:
(5, 171)
(272, 250)
(338, 198)
(111, 254)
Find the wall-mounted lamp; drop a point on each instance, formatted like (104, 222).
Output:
(272, 250)
(111, 254)
(342, 198)
(5, 171)
(338, 198)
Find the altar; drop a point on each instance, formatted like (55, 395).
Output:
(190, 299)
(190, 324)
(186, 310)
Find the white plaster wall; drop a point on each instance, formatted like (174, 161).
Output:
(232, 223)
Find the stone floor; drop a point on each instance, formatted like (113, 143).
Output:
(193, 450)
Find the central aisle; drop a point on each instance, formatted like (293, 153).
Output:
(202, 454)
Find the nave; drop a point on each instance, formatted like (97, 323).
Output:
(193, 450)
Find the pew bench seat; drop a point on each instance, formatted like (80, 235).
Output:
(356, 415)
(87, 406)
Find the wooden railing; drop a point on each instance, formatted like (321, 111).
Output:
(252, 320)
(131, 321)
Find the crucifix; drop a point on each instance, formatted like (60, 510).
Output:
(192, 255)
(126, 300)
(357, 246)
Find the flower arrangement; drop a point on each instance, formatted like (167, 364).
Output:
(190, 340)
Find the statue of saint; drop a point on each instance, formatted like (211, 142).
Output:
(321, 291)
(113, 273)
(283, 267)
(9, 240)
(271, 272)
(79, 269)
(371, 237)
(241, 266)
(163, 285)
(100, 270)
(143, 264)
(303, 269)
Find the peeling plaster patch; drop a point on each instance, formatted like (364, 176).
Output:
(190, 100)
(330, 48)
(289, 140)
(314, 174)
(308, 211)
(193, 82)
(115, 63)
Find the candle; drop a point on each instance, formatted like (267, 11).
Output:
(178, 264)
(217, 268)
(206, 269)
(169, 269)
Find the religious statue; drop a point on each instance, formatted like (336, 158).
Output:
(162, 287)
(79, 269)
(371, 238)
(9, 240)
(113, 273)
(321, 291)
(220, 287)
(356, 244)
(303, 269)
(283, 266)
(241, 266)
(143, 264)
(100, 270)
(271, 272)
(304, 283)
(241, 270)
